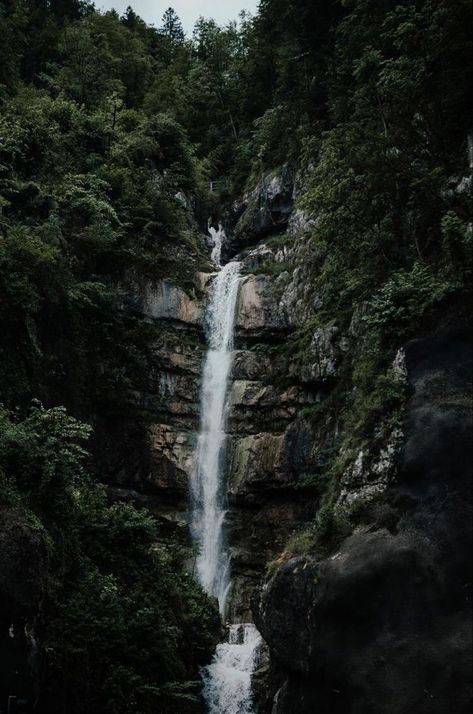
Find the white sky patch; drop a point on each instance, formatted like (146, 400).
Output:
(188, 10)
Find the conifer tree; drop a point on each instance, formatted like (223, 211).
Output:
(172, 26)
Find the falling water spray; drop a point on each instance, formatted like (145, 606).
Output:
(208, 484)
(227, 680)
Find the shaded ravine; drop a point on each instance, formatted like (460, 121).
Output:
(227, 680)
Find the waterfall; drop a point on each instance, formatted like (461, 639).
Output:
(208, 489)
(227, 680)
(217, 236)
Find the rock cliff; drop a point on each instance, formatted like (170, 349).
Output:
(368, 624)
(270, 455)
(383, 624)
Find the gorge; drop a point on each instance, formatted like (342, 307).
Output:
(236, 360)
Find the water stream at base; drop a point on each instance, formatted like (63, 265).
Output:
(227, 680)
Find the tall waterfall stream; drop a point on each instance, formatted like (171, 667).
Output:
(227, 680)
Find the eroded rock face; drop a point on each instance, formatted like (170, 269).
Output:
(323, 357)
(259, 528)
(266, 461)
(267, 503)
(151, 463)
(258, 307)
(172, 460)
(273, 451)
(165, 300)
(383, 626)
(370, 475)
(265, 211)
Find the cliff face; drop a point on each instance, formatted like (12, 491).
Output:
(158, 476)
(368, 623)
(270, 446)
(272, 454)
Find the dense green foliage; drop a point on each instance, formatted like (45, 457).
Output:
(88, 208)
(105, 124)
(122, 623)
(386, 181)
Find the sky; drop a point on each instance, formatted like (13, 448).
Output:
(188, 10)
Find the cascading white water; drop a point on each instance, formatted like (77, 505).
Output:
(217, 235)
(227, 680)
(208, 489)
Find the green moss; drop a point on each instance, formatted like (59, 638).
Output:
(320, 538)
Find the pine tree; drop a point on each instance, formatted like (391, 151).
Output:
(172, 26)
(129, 18)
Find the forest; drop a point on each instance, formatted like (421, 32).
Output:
(118, 141)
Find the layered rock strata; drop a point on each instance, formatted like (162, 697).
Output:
(271, 455)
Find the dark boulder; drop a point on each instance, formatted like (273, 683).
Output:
(384, 625)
